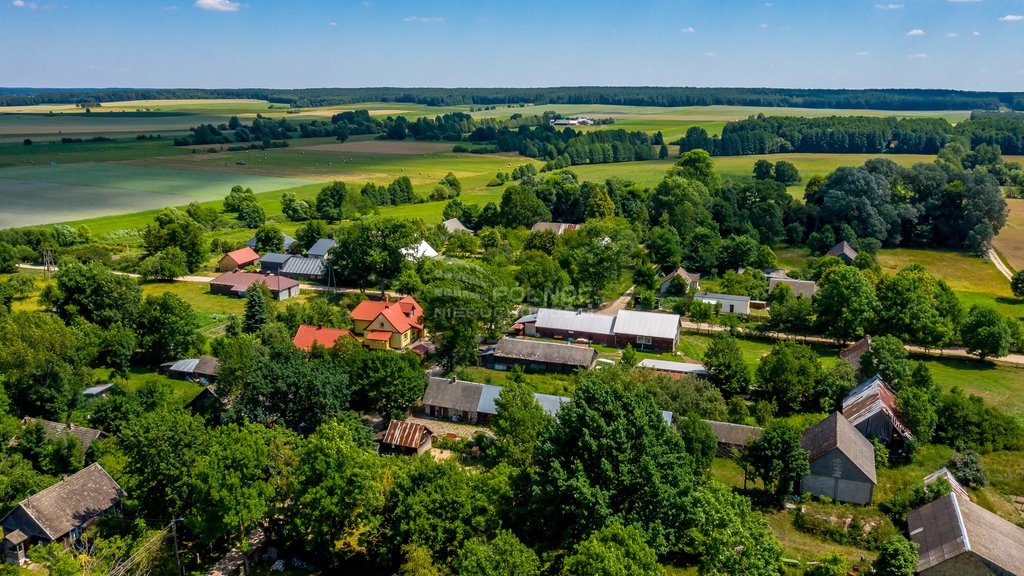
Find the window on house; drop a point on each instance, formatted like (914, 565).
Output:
(643, 339)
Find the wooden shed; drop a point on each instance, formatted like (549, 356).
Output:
(842, 462)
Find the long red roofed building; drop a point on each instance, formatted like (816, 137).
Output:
(236, 283)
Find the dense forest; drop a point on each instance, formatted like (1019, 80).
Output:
(857, 135)
(890, 99)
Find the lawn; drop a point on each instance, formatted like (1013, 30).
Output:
(556, 384)
(1010, 241)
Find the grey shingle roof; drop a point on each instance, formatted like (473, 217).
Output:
(835, 431)
(320, 248)
(453, 394)
(842, 250)
(734, 434)
(674, 367)
(55, 429)
(574, 321)
(69, 503)
(801, 288)
(952, 525)
(546, 352)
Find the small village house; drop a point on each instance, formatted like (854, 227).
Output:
(238, 283)
(689, 280)
(54, 430)
(957, 537)
(842, 462)
(843, 251)
(202, 369)
(558, 228)
(405, 438)
(237, 259)
(306, 336)
(537, 355)
(388, 325)
(59, 513)
(321, 248)
(871, 408)
(725, 303)
(418, 252)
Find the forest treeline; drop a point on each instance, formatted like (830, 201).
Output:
(880, 99)
(857, 135)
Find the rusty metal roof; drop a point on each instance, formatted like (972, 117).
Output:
(853, 352)
(405, 434)
(870, 398)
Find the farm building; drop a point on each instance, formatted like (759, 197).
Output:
(643, 330)
(801, 288)
(288, 241)
(477, 403)
(419, 251)
(871, 408)
(388, 325)
(202, 369)
(673, 368)
(946, 475)
(53, 430)
(300, 268)
(726, 303)
(957, 537)
(558, 228)
(843, 251)
(842, 462)
(60, 512)
(238, 259)
(733, 438)
(238, 283)
(405, 438)
(321, 248)
(453, 225)
(306, 336)
(855, 351)
(98, 391)
(691, 280)
(539, 356)
(272, 262)
(207, 404)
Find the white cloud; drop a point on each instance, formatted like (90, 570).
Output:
(424, 20)
(762, 25)
(918, 56)
(1011, 18)
(916, 32)
(975, 33)
(862, 53)
(768, 4)
(709, 54)
(18, 3)
(218, 5)
(952, 35)
(332, 24)
(687, 30)
(889, 6)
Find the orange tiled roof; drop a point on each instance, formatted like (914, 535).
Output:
(403, 314)
(379, 336)
(326, 337)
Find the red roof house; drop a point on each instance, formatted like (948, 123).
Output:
(326, 337)
(238, 259)
(236, 283)
(402, 319)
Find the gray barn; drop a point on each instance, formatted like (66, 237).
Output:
(842, 461)
(956, 537)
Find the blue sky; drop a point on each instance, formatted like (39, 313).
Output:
(964, 44)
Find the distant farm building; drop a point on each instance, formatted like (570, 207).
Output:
(306, 336)
(801, 288)
(406, 438)
(539, 356)
(419, 251)
(642, 330)
(301, 268)
(238, 283)
(321, 248)
(238, 259)
(272, 262)
(202, 369)
(946, 475)
(557, 228)
(957, 537)
(688, 280)
(59, 513)
(842, 462)
(843, 251)
(453, 225)
(54, 430)
(673, 368)
(855, 351)
(288, 242)
(733, 438)
(871, 408)
(725, 303)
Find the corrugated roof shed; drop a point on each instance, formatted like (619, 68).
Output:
(86, 436)
(184, 366)
(458, 395)
(952, 525)
(713, 297)
(70, 502)
(405, 434)
(734, 434)
(320, 248)
(674, 367)
(207, 366)
(870, 398)
(97, 389)
(653, 324)
(575, 321)
(835, 431)
(275, 258)
(545, 352)
(303, 266)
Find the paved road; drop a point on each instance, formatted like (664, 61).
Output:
(992, 256)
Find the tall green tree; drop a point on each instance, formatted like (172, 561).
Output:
(168, 328)
(614, 550)
(845, 304)
(984, 332)
(778, 459)
(371, 250)
(787, 374)
(518, 425)
(171, 227)
(269, 239)
(724, 363)
(504, 555)
(96, 294)
(898, 557)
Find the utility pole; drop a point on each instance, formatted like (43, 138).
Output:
(47, 263)
(174, 532)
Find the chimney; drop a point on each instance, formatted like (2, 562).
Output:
(320, 326)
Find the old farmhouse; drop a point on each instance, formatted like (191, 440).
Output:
(238, 259)
(642, 330)
(539, 356)
(957, 537)
(683, 280)
(202, 369)
(321, 248)
(388, 325)
(53, 430)
(405, 438)
(60, 512)
(238, 283)
(854, 352)
(842, 462)
(871, 408)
